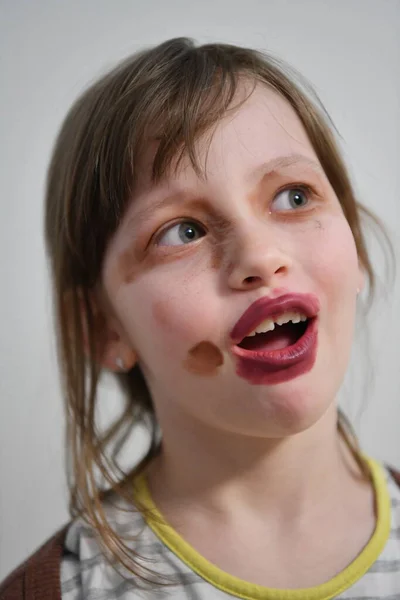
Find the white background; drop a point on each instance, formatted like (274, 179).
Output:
(49, 50)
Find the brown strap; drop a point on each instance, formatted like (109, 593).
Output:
(38, 578)
(395, 475)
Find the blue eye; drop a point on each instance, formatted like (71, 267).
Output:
(291, 198)
(181, 233)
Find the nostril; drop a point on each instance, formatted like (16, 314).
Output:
(280, 270)
(251, 279)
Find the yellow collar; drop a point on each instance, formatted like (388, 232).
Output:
(242, 589)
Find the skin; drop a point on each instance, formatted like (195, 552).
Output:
(261, 453)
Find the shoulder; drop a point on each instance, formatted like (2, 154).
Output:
(39, 575)
(86, 561)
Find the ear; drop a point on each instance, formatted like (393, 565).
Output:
(112, 350)
(360, 278)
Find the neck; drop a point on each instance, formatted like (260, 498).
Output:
(225, 472)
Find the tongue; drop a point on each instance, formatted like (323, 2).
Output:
(281, 337)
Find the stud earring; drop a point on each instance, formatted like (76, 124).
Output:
(120, 363)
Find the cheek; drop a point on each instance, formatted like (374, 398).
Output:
(326, 250)
(336, 258)
(178, 322)
(334, 268)
(177, 317)
(169, 307)
(177, 299)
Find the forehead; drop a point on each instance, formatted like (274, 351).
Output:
(265, 127)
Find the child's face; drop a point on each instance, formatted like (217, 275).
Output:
(177, 290)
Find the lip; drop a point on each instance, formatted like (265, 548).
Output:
(271, 308)
(277, 366)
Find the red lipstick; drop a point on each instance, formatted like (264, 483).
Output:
(268, 367)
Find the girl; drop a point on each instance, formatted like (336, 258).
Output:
(206, 247)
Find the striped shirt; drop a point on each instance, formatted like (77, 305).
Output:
(86, 574)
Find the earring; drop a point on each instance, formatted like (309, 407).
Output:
(120, 363)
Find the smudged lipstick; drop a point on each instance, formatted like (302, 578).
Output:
(293, 349)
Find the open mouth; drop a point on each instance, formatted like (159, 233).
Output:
(282, 336)
(276, 339)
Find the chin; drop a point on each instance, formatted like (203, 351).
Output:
(293, 406)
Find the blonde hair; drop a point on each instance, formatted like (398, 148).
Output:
(173, 93)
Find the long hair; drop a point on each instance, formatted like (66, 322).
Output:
(172, 93)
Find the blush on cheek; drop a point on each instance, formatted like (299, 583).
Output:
(204, 359)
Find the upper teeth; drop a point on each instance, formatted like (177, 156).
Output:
(269, 324)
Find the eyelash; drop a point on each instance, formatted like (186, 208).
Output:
(285, 215)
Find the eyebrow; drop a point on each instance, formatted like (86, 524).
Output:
(258, 175)
(282, 162)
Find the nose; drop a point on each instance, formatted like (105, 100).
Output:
(258, 258)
